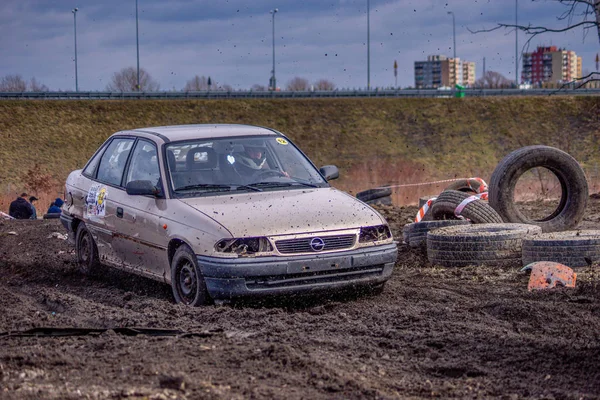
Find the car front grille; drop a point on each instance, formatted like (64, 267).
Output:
(314, 278)
(294, 246)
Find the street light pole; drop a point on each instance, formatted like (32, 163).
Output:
(137, 44)
(74, 11)
(368, 45)
(273, 80)
(453, 33)
(516, 43)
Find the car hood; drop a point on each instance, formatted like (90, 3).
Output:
(284, 212)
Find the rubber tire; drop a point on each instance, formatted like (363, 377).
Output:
(185, 258)
(478, 211)
(472, 186)
(569, 248)
(373, 194)
(417, 231)
(406, 233)
(86, 251)
(478, 244)
(569, 173)
(423, 200)
(385, 201)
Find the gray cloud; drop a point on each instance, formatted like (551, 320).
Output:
(179, 39)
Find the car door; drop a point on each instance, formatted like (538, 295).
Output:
(140, 238)
(98, 199)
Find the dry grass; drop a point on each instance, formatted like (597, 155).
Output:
(373, 141)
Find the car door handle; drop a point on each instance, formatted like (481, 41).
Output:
(119, 212)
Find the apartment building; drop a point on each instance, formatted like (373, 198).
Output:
(468, 68)
(439, 71)
(550, 64)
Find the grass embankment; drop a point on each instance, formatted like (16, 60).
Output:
(373, 141)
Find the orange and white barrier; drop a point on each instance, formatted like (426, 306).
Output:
(424, 209)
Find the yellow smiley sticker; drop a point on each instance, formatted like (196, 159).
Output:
(101, 196)
(281, 140)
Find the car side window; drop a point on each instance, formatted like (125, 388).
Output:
(144, 163)
(112, 163)
(90, 170)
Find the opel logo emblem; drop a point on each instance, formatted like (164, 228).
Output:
(317, 244)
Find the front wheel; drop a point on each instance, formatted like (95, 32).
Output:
(86, 249)
(187, 281)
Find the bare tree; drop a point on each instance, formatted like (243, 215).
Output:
(13, 83)
(297, 84)
(583, 14)
(259, 88)
(225, 88)
(35, 86)
(493, 80)
(126, 81)
(201, 83)
(196, 84)
(324, 84)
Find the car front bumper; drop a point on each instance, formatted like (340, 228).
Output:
(254, 277)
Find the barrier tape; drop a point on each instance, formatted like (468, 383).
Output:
(463, 204)
(424, 209)
(482, 188)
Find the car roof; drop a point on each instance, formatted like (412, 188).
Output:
(201, 131)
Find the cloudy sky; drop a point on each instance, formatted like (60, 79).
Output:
(231, 40)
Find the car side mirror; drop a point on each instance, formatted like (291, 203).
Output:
(142, 188)
(330, 172)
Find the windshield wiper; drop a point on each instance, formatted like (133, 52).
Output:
(204, 186)
(282, 184)
(250, 187)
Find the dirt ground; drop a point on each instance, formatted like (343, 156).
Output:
(433, 332)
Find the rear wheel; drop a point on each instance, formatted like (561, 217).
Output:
(86, 249)
(187, 281)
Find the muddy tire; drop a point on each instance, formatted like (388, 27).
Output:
(86, 250)
(406, 233)
(570, 248)
(423, 200)
(478, 244)
(187, 281)
(573, 202)
(478, 211)
(385, 201)
(417, 231)
(472, 186)
(373, 194)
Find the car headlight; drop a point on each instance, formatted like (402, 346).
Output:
(374, 233)
(244, 246)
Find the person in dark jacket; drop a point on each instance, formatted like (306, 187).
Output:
(31, 200)
(20, 208)
(55, 207)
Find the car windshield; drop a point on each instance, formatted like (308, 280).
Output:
(248, 163)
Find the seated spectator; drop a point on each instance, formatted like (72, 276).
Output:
(31, 200)
(55, 207)
(20, 208)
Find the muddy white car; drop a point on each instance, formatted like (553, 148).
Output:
(221, 212)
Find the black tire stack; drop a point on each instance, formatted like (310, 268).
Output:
(415, 234)
(571, 248)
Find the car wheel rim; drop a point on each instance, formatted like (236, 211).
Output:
(187, 282)
(84, 248)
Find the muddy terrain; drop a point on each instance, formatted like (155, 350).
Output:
(433, 332)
